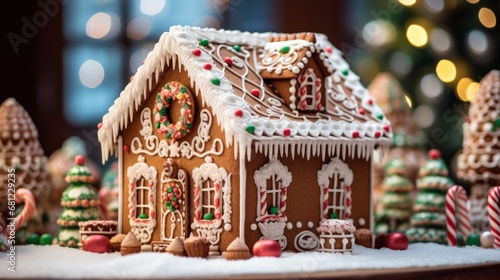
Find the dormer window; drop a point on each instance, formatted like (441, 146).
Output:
(296, 66)
(310, 91)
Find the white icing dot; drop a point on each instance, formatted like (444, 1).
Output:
(298, 224)
(227, 227)
(487, 126)
(253, 227)
(278, 70)
(310, 224)
(295, 69)
(193, 226)
(289, 225)
(308, 54)
(361, 222)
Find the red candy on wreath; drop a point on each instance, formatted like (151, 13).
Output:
(173, 91)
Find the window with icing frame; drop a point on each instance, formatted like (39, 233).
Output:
(272, 182)
(335, 179)
(310, 91)
(142, 193)
(210, 200)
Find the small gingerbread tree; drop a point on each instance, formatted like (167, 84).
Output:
(396, 202)
(429, 220)
(479, 162)
(80, 203)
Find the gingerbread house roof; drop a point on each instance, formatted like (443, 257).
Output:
(286, 55)
(224, 66)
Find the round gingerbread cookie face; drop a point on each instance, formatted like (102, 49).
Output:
(174, 111)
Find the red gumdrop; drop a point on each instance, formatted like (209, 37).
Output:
(434, 154)
(79, 160)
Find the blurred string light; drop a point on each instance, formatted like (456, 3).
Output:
(434, 6)
(446, 70)
(408, 3)
(400, 63)
(408, 101)
(431, 86)
(473, 1)
(487, 18)
(152, 7)
(477, 42)
(379, 33)
(417, 35)
(91, 73)
(472, 90)
(102, 25)
(139, 28)
(423, 116)
(440, 41)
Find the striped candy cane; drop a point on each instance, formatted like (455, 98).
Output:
(217, 211)
(325, 202)
(283, 201)
(263, 202)
(456, 209)
(197, 211)
(25, 195)
(494, 214)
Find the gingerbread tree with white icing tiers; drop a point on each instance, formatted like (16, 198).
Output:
(396, 202)
(80, 203)
(479, 162)
(429, 219)
(20, 153)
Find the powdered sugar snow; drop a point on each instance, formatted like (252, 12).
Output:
(58, 262)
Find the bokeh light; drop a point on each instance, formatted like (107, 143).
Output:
(477, 42)
(434, 6)
(461, 88)
(423, 116)
(98, 25)
(139, 28)
(472, 90)
(440, 41)
(416, 35)
(446, 70)
(431, 86)
(408, 101)
(379, 33)
(487, 17)
(401, 63)
(408, 3)
(91, 73)
(152, 7)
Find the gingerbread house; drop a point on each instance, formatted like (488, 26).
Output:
(229, 134)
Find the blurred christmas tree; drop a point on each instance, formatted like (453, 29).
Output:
(438, 50)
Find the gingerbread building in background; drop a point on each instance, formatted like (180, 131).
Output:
(479, 162)
(20, 154)
(225, 134)
(390, 96)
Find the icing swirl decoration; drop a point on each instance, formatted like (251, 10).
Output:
(174, 91)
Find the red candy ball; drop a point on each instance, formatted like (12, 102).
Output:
(434, 154)
(396, 241)
(80, 160)
(96, 244)
(266, 248)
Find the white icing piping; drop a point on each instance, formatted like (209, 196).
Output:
(177, 46)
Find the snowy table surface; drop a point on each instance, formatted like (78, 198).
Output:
(58, 262)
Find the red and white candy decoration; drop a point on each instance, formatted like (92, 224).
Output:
(494, 214)
(456, 209)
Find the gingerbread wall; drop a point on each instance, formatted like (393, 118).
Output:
(225, 160)
(303, 196)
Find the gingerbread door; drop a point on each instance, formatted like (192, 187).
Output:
(175, 201)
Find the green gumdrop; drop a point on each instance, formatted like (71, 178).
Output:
(208, 216)
(274, 210)
(332, 216)
(473, 240)
(237, 48)
(345, 72)
(33, 239)
(250, 128)
(204, 42)
(46, 239)
(143, 216)
(285, 49)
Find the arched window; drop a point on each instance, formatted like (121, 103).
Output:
(309, 91)
(335, 179)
